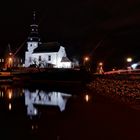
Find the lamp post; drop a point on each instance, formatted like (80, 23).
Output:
(100, 68)
(86, 59)
(10, 60)
(129, 60)
(86, 63)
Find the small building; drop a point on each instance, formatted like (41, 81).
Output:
(50, 54)
(9, 60)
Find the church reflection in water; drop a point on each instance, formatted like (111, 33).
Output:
(33, 98)
(39, 97)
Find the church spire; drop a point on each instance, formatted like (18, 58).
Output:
(34, 17)
(34, 35)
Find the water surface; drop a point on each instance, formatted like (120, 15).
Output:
(42, 113)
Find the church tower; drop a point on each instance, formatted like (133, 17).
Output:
(33, 41)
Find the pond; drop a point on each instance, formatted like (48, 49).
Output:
(44, 113)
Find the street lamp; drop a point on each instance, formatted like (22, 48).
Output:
(86, 59)
(86, 63)
(100, 68)
(129, 60)
(100, 64)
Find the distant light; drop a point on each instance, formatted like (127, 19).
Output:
(10, 53)
(100, 64)
(86, 58)
(129, 59)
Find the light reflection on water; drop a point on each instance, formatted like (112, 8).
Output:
(10, 106)
(40, 113)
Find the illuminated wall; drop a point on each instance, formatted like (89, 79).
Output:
(55, 58)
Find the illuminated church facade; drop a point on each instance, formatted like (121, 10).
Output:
(44, 55)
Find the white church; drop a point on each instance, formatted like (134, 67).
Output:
(44, 55)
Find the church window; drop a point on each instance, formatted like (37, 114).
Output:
(49, 58)
(39, 58)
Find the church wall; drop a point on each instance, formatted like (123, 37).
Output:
(61, 53)
(65, 65)
(45, 58)
(27, 56)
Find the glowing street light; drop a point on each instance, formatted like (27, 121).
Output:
(100, 64)
(129, 59)
(86, 59)
(86, 63)
(100, 68)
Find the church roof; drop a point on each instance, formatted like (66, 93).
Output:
(47, 47)
(65, 59)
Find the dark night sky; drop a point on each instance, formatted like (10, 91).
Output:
(79, 25)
